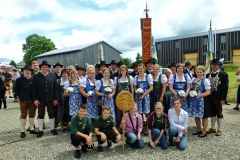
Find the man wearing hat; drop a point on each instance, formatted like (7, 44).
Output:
(173, 67)
(58, 69)
(113, 66)
(135, 69)
(23, 89)
(45, 93)
(97, 69)
(219, 89)
(103, 65)
(150, 64)
(187, 69)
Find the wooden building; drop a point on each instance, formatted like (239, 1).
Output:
(193, 47)
(80, 55)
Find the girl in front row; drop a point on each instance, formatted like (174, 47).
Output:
(104, 128)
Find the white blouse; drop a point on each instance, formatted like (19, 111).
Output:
(163, 78)
(84, 82)
(171, 79)
(120, 80)
(98, 84)
(149, 79)
(207, 83)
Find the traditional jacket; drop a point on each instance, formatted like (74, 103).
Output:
(23, 88)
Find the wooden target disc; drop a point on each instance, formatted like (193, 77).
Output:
(124, 100)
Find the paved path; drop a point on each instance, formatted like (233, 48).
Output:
(59, 147)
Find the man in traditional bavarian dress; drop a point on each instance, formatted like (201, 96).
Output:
(45, 93)
(219, 87)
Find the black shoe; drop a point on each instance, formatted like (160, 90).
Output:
(84, 149)
(236, 108)
(39, 134)
(170, 143)
(22, 135)
(77, 154)
(109, 144)
(202, 135)
(100, 149)
(33, 132)
(54, 132)
(29, 128)
(196, 133)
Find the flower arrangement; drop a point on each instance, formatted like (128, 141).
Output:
(90, 94)
(139, 91)
(108, 90)
(193, 94)
(181, 93)
(70, 90)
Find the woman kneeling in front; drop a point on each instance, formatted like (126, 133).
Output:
(178, 119)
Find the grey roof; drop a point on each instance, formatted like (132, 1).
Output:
(74, 48)
(198, 34)
(21, 63)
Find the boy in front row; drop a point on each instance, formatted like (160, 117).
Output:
(104, 128)
(81, 131)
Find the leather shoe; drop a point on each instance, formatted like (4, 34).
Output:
(77, 154)
(196, 133)
(39, 134)
(33, 132)
(219, 133)
(54, 132)
(22, 135)
(236, 108)
(211, 131)
(84, 149)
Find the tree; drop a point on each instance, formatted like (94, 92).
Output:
(126, 61)
(138, 58)
(36, 45)
(13, 63)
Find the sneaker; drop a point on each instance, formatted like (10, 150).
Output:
(109, 144)
(219, 133)
(39, 134)
(22, 135)
(100, 149)
(33, 132)
(84, 149)
(211, 131)
(54, 132)
(77, 154)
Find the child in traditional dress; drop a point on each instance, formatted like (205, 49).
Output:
(81, 131)
(104, 128)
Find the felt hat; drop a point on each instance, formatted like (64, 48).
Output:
(134, 65)
(57, 64)
(26, 67)
(113, 62)
(172, 65)
(215, 62)
(150, 61)
(44, 62)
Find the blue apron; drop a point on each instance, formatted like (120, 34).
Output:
(75, 100)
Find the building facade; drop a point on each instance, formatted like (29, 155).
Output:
(80, 55)
(180, 49)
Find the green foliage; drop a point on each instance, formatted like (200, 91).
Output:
(232, 77)
(13, 63)
(126, 61)
(230, 67)
(138, 58)
(36, 45)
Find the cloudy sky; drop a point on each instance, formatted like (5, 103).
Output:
(75, 22)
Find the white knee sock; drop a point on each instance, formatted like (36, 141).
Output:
(40, 124)
(213, 121)
(23, 123)
(31, 122)
(52, 123)
(219, 122)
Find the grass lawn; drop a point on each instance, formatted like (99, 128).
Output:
(232, 86)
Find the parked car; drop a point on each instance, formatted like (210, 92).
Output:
(8, 68)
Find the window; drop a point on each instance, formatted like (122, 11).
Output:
(204, 53)
(223, 39)
(223, 52)
(205, 41)
(176, 44)
(158, 46)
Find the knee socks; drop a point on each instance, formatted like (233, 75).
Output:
(23, 123)
(213, 121)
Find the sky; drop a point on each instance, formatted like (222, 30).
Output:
(74, 22)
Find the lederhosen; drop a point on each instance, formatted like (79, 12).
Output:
(125, 86)
(107, 130)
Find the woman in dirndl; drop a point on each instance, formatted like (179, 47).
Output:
(75, 97)
(199, 104)
(159, 86)
(123, 82)
(177, 82)
(166, 99)
(88, 86)
(101, 90)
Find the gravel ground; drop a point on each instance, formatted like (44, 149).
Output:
(58, 147)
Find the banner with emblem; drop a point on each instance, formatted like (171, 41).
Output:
(146, 39)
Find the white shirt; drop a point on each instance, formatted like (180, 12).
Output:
(120, 80)
(171, 79)
(149, 79)
(98, 84)
(84, 82)
(180, 122)
(163, 78)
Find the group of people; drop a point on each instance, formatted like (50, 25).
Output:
(86, 98)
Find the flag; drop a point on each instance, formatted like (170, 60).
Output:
(153, 51)
(100, 53)
(210, 50)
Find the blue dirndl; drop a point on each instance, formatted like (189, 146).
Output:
(75, 100)
(144, 104)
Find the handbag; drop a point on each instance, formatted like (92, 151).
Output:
(136, 143)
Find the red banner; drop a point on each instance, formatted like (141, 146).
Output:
(146, 39)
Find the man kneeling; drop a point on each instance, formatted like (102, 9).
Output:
(81, 131)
